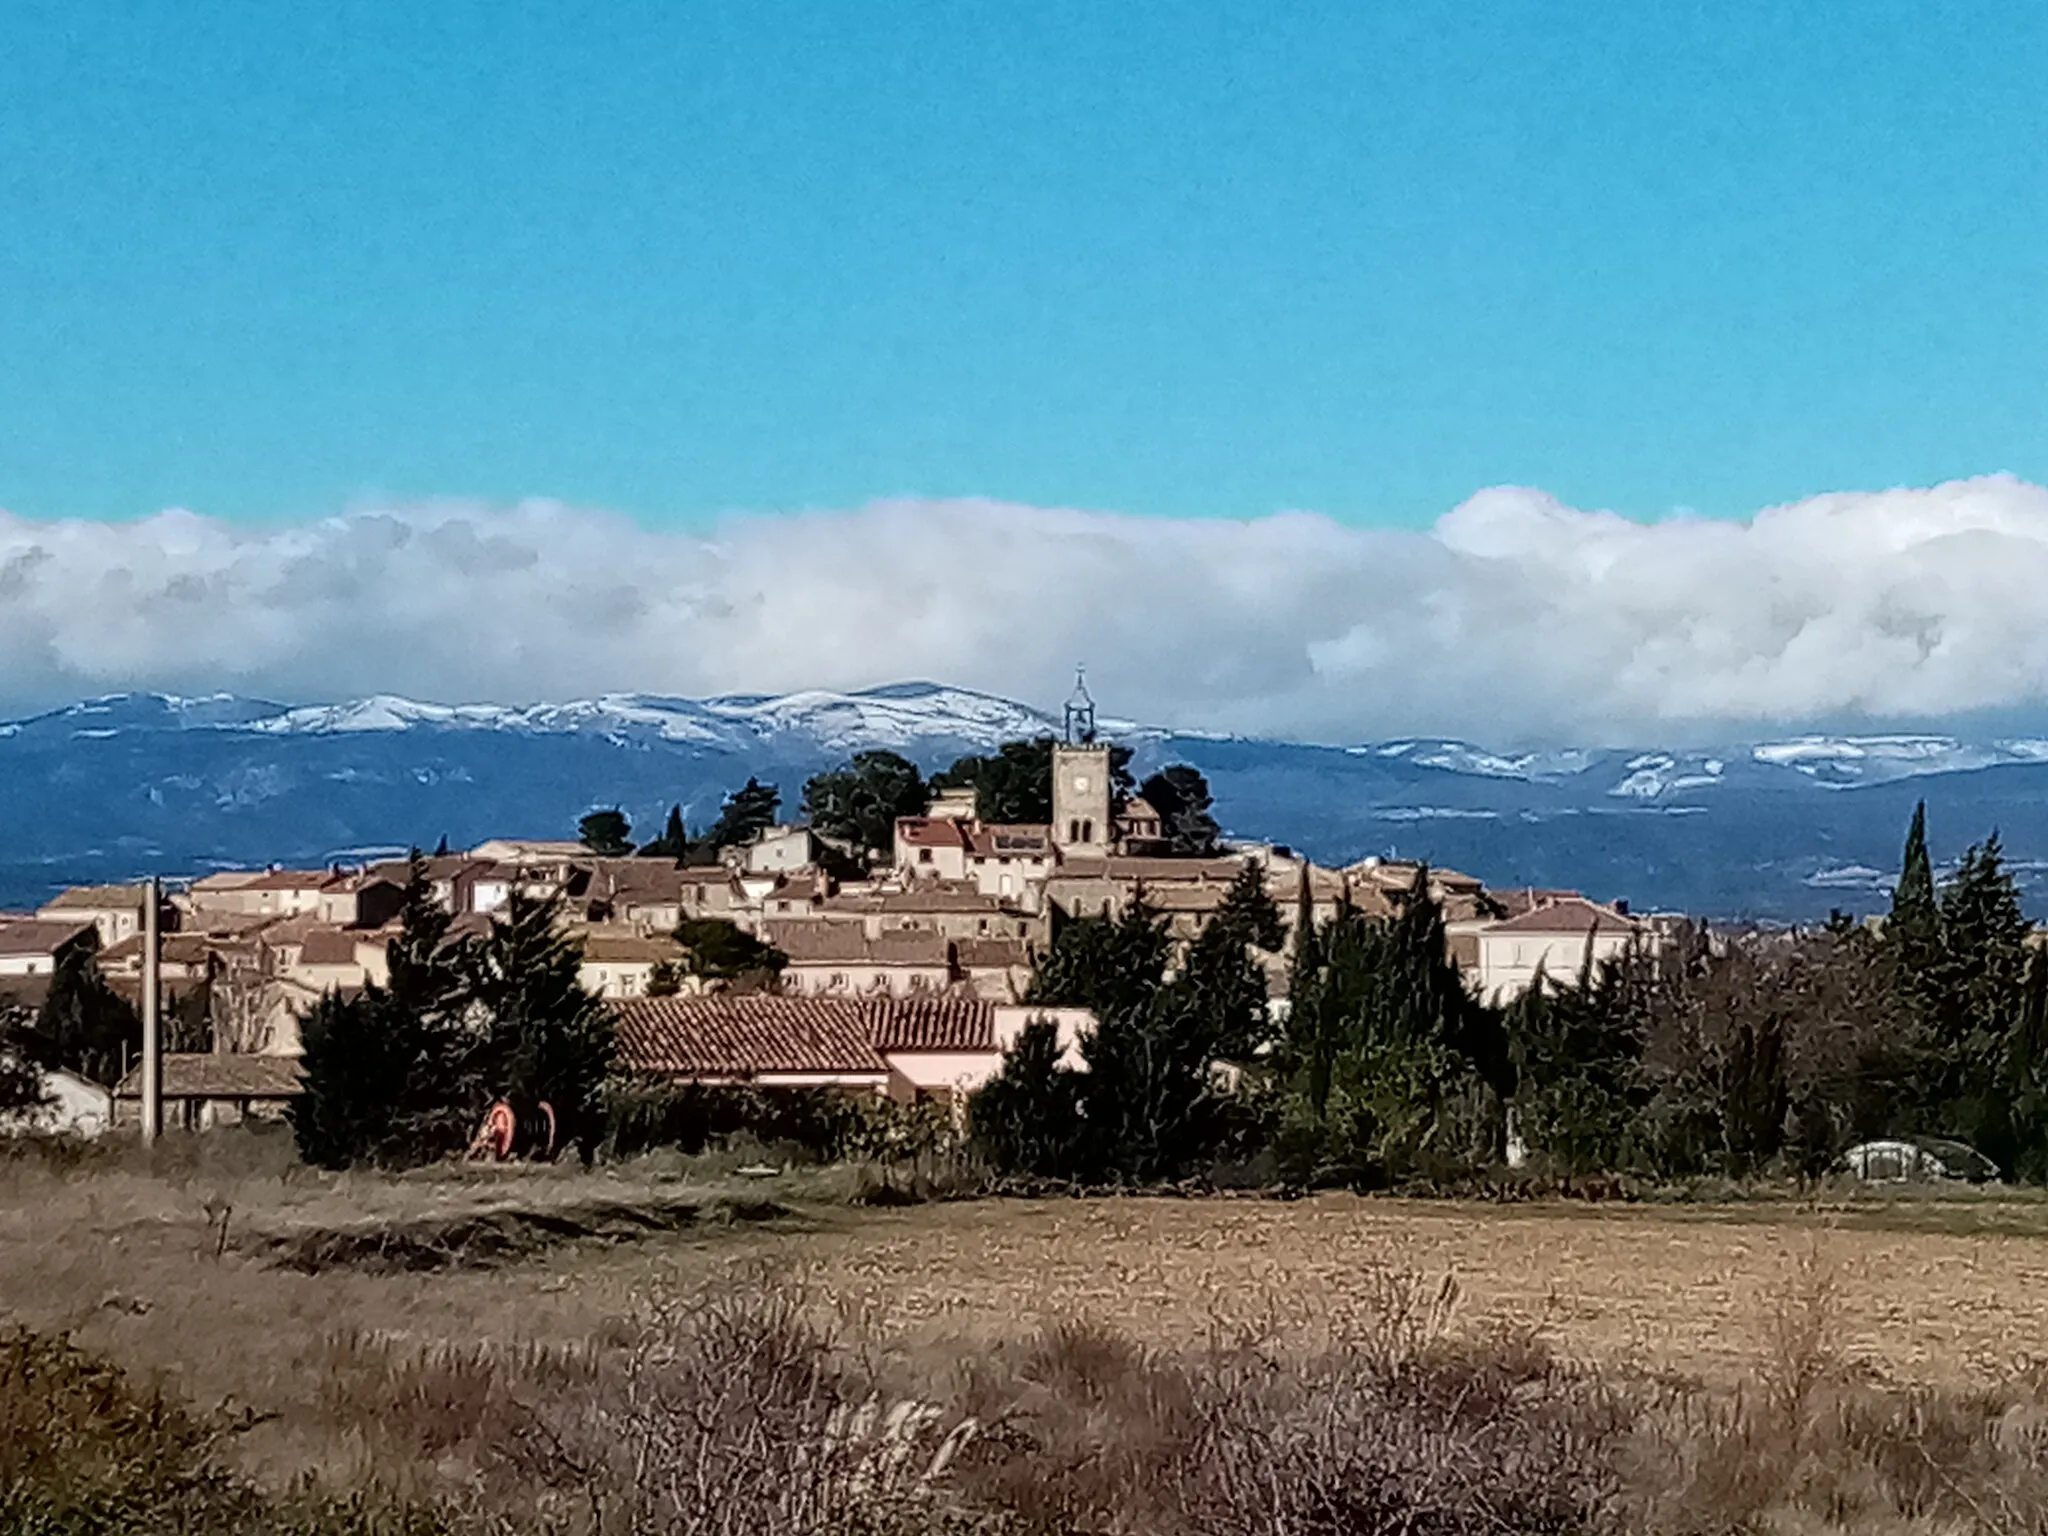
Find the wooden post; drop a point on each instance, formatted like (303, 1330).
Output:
(152, 1032)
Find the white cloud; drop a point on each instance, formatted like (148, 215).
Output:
(1514, 617)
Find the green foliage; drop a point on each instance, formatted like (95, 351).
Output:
(1249, 913)
(1027, 1118)
(606, 833)
(84, 1026)
(21, 1081)
(749, 810)
(716, 950)
(674, 842)
(1576, 1050)
(1181, 797)
(1012, 784)
(1385, 1049)
(1103, 963)
(545, 1039)
(858, 804)
(664, 979)
(360, 1068)
(1150, 1104)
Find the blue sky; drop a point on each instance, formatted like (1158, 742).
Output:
(270, 261)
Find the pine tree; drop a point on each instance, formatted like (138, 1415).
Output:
(545, 1039)
(358, 1064)
(1181, 797)
(606, 833)
(748, 811)
(859, 803)
(388, 1073)
(1248, 910)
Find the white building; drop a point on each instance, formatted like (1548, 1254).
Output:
(1561, 940)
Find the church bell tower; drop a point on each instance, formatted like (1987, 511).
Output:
(1081, 816)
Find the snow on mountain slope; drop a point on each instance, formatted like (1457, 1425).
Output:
(898, 716)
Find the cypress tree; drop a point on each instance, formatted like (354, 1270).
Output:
(545, 1040)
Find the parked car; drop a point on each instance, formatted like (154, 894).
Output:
(1922, 1157)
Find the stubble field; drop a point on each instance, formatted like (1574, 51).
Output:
(323, 1315)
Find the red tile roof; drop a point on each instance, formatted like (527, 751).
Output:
(750, 1035)
(930, 832)
(328, 946)
(1570, 914)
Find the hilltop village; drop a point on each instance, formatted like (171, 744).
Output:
(901, 969)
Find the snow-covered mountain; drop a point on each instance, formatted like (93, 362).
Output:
(1781, 828)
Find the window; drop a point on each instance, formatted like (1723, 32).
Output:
(924, 855)
(1087, 831)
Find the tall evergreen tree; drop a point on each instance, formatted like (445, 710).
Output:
(1027, 1118)
(674, 842)
(749, 810)
(1914, 927)
(545, 1039)
(21, 1080)
(84, 1025)
(387, 1073)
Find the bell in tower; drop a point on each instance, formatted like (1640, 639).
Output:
(1080, 714)
(1081, 803)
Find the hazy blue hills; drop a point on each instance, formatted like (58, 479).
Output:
(118, 786)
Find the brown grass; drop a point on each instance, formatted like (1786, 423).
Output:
(1123, 1365)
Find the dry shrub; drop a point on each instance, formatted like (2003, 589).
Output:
(736, 1417)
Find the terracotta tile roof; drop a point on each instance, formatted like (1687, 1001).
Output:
(941, 896)
(627, 948)
(203, 1075)
(175, 948)
(39, 936)
(750, 1035)
(120, 898)
(1015, 839)
(930, 832)
(989, 954)
(328, 946)
(1527, 898)
(827, 943)
(1571, 914)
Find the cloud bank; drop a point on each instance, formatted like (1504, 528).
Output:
(1514, 617)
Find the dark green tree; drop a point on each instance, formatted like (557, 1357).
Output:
(1012, 784)
(1027, 1118)
(545, 1039)
(1913, 929)
(441, 848)
(389, 1073)
(674, 842)
(1249, 911)
(21, 1080)
(1388, 1061)
(1181, 797)
(1109, 964)
(360, 1065)
(716, 950)
(748, 811)
(84, 1025)
(606, 833)
(859, 802)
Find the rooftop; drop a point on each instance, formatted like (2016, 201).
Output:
(204, 1075)
(747, 1035)
(39, 936)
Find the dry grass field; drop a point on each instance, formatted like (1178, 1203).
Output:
(274, 1294)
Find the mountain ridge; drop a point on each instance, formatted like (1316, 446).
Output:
(1778, 828)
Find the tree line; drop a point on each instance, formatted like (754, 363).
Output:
(1764, 1054)
(854, 807)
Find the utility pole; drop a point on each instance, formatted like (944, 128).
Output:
(152, 1031)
